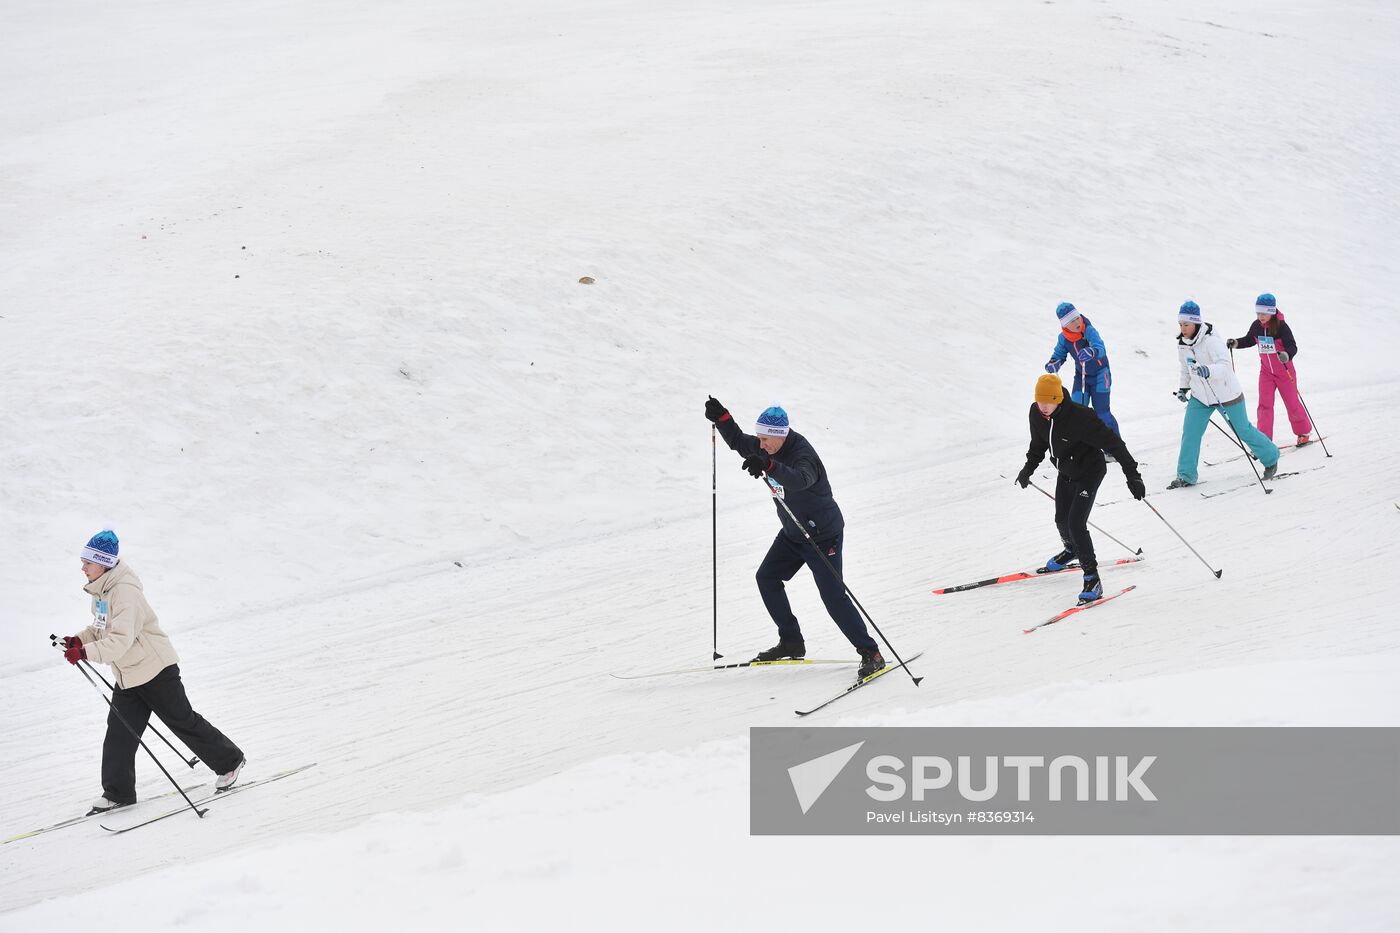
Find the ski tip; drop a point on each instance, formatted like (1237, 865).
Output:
(1027, 631)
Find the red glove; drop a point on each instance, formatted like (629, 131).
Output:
(73, 649)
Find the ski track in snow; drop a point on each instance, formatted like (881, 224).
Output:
(863, 212)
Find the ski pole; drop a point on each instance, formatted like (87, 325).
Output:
(1226, 415)
(1092, 525)
(773, 488)
(136, 735)
(191, 761)
(714, 540)
(1305, 410)
(1183, 540)
(1229, 437)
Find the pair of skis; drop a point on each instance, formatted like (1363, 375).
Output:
(199, 802)
(209, 798)
(75, 820)
(786, 662)
(1043, 572)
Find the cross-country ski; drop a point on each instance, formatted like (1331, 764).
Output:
(207, 799)
(1079, 607)
(784, 662)
(1027, 575)
(862, 682)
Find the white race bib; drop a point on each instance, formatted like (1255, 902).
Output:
(99, 615)
(1266, 345)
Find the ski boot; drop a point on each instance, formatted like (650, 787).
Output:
(1060, 561)
(1093, 588)
(870, 661)
(1304, 440)
(225, 781)
(1270, 470)
(783, 649)
(1179, 483)
(102, 805)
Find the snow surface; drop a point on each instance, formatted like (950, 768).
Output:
(291, 300)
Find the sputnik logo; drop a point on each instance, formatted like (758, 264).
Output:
(811, 778)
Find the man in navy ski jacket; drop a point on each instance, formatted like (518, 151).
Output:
(789, 460)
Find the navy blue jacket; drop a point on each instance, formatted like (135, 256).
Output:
(806, 489)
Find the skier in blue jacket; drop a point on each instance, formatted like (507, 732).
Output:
(1092, 379)
(788, 458)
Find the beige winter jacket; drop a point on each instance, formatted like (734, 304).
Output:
(125, 632)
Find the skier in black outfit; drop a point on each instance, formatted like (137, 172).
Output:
(1076, 439)
(789, 459)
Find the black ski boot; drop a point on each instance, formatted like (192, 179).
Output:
(870, 661)
(1270, 470)
(783, 649)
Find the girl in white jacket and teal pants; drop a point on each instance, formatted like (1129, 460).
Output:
(1207, 375)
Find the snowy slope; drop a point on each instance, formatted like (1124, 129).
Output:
(292, 300)
(643, 841)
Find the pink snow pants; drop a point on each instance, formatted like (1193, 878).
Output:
(1272, 376)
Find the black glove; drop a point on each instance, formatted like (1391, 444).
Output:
(1230, 342)
(1023, 479)
(1181, 394)
(715, 411)
(1136, 486)
(757, 465)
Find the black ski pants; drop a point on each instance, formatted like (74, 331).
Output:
(785, 557)
(1074, 499)
(163, 695)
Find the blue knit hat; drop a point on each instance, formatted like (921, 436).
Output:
(1065, 312)
(772, 423)
(102, 548)
(1266, 304)
(1190, 313)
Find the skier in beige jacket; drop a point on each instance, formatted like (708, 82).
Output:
(126, 634)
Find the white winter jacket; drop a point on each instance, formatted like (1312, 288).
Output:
(1206, 349)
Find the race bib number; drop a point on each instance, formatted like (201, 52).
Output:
(1266, 345)
(99, 615)
(775, 487)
